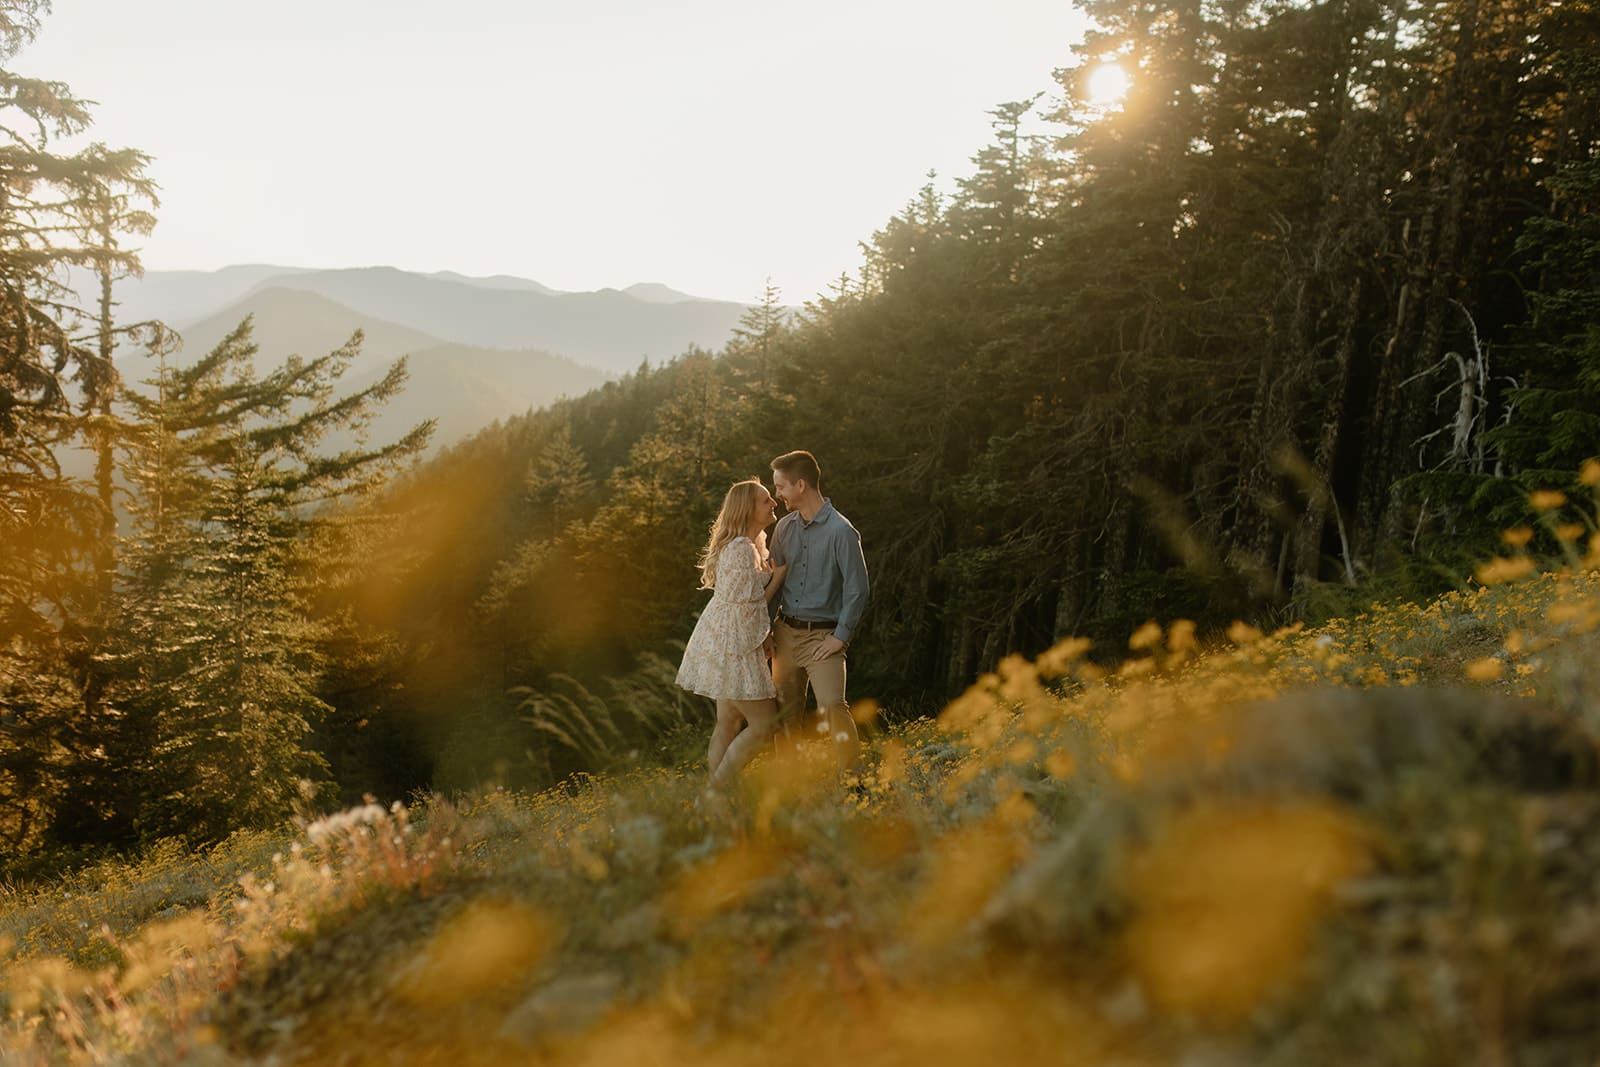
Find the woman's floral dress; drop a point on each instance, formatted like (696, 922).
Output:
(723, 658)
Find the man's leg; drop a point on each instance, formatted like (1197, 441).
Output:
(833, 713)
(789, 676)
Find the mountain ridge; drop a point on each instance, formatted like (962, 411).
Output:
(609, 328)
(462, 386)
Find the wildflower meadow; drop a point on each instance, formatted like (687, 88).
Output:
(1372, 840)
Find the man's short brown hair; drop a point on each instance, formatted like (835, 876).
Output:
(799, 465)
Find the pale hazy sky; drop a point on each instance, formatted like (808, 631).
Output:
(705, 144)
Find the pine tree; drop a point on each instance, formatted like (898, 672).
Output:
(56, 212)
(755, 339)
(219, 654)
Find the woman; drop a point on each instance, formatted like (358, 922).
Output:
(726, 657)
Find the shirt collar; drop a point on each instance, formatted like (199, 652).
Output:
(822, 515)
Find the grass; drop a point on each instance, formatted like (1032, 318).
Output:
(1376, 840)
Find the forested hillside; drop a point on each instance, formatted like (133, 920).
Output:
(1225, 458)
(1300, 322)
(1297, 322)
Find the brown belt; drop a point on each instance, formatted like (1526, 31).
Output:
(801, 624)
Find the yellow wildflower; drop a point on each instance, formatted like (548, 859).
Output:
(1546, 499)
(1146, 636)
(1054, 663)
(1500, 570)
(1242, 633)
(1181, 637)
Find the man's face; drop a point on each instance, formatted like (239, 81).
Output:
(785, 490)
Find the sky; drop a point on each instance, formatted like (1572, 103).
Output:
(704, 144)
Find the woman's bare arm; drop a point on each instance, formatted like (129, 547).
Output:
(776, 581)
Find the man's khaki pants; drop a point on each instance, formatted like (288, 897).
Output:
(792, 670)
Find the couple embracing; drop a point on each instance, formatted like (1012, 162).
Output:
(781, 617)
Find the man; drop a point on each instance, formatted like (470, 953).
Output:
(819, 607)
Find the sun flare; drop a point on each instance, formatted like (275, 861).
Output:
(1108, 84)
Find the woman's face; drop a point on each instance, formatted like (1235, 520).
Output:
(766, 509)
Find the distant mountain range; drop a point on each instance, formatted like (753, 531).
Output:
(480, 349)
(611, 329)
(463, 386)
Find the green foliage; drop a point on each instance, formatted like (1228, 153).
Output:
(216, 659)
(1237, 346)
(642, 706)
(57, 211)
(1308, 314)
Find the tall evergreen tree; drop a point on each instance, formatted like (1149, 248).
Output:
(57, 211)
(1551, 420)
(216, 673)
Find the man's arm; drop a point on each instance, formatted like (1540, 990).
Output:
(778, 554)
(777, 551)
(853, 566)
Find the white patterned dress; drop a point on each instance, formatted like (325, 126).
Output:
(723, 658)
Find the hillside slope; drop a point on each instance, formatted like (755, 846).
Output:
(1370, 842)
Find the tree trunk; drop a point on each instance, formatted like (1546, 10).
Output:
(1314, 520)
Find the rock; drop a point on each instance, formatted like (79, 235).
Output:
(639, 844)
(562, 1007)
(640, 926)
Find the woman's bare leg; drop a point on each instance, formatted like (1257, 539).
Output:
(761, 717)
(729, 723)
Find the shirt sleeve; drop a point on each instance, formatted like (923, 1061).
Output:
(738, 563)
(853, 568)
(776, 549)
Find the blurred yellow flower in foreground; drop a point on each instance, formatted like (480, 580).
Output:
(724, 881)
(968, 866)
(1228, 897)
(34, 984)
(151, 955)
(1546, 499)
(1590, 474)
(1517, 537)
(488, 945)
(1146, 636)
(1060, 763)
(1501, 570)
(1485, 670)
(788, 780)
(1242, 633)
(865, 712)
(1181, 637)
(1054, 662)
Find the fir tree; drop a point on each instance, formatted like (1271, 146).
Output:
(57, 211)
(219, 658)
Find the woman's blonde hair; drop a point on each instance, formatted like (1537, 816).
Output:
(732, 521)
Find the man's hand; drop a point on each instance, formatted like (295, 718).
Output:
(830, 646)
(768, 647)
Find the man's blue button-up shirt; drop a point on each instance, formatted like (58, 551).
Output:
(827, 577)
